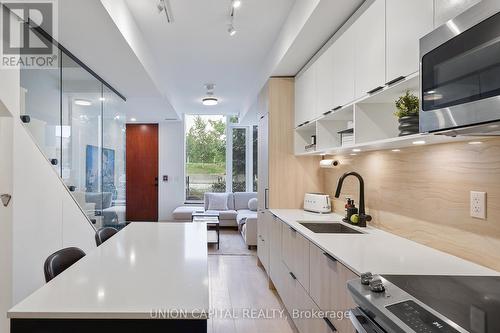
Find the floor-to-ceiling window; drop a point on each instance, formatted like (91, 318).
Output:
(221, 156)
(205, 155)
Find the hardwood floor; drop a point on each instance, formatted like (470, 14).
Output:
(239, 293)
(231, 243)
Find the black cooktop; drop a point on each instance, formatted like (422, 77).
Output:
(472, 302)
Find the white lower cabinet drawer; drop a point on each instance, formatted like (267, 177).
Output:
(303, 311)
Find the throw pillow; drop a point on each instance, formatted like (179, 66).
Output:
(217, 201)
(253, 204)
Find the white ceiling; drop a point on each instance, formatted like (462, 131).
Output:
(196, 49)
(161, 68)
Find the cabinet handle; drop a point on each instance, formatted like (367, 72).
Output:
(375, 90)
(54, 161)
(300, 125)
(337, 108)
(330, 257)
(307, 122)
(266, 195)
(329, 323)
(399, 78)
(293, 276)
(292, 229)
(327, 113)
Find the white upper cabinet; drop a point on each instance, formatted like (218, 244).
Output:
(305, 96)
(343, 68)
(447, 9)
(324, 83)
(369, 39)
(406, 22)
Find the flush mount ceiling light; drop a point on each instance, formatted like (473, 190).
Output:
(133, 119)
(83, 102)
(165, 8)
(210, 99)
(420, 142)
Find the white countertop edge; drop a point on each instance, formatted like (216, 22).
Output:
(303, 216)
(172, 315)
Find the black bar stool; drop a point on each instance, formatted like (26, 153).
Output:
(104, 234)
(61, 260)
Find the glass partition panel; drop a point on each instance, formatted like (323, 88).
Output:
(40, 100)
(82, 138)
(113, 160)
(239, 159)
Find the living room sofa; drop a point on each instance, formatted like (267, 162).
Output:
(238, 214)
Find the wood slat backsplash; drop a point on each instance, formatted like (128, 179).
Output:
(422, 193)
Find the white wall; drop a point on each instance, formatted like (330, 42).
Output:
(42, 217)
(45, 216)
(9, 112)
(171, 160)
(5, 220)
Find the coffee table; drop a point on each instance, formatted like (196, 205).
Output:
(213, 225)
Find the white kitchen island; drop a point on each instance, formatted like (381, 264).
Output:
(150, 277)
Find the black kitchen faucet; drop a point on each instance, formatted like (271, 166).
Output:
(363, 218)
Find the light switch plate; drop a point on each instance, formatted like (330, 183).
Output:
(478, 204)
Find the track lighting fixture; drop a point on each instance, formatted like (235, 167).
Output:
(231, 30)
(164, 7)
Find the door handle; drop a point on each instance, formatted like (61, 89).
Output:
(375, 90)
(330, 257)
(329, 324)
(362, 323)
(266, 195)
(399, 78)
(293, 276)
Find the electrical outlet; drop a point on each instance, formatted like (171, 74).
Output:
(478, 204)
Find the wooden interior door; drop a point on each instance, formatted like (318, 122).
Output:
(142, 172)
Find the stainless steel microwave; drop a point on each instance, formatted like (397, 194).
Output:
(460, 74)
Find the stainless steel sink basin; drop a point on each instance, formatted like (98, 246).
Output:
(329, 228)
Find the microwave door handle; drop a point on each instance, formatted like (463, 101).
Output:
(366, 326)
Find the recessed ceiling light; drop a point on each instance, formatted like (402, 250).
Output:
(210, 101)
(396, 150)
(102, 99)
(236, 3)
(231, 31)
(356, 150)
(83, 102)
(117, 117)
(475, 142)
(420, 142)
(133, 119)
(354, 154)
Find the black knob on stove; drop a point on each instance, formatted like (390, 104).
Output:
(366, 278)
(376, 285)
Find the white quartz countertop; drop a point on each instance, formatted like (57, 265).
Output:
(378, 251)
(144, 268)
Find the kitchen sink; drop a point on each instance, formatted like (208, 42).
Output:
(329, 228)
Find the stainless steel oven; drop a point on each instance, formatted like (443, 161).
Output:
(460, 73)
(425, 303)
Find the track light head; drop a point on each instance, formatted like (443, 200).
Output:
(231, 30)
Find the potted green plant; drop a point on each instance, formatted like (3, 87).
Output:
(407, 113)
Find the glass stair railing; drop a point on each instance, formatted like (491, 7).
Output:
(78, 122)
